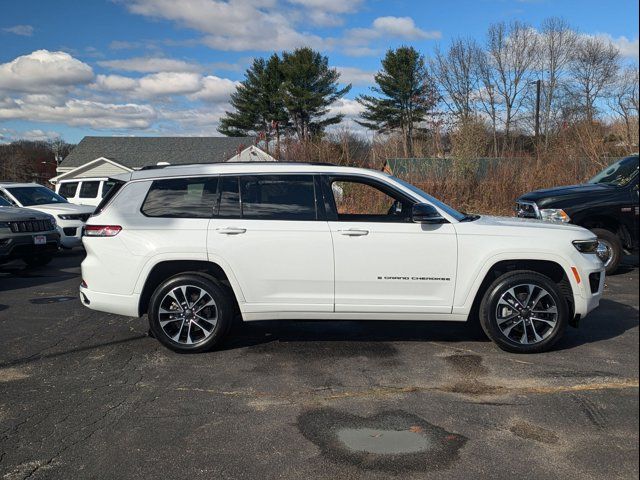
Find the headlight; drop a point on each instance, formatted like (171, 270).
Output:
(554, 215)
(67, 217)
(586, 246)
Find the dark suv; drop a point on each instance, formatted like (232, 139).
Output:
(607, 205)
(27, 234)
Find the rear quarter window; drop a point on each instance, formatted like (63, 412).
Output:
(181, 198)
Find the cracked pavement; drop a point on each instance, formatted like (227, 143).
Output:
(89, 395)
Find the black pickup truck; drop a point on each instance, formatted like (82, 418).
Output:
(607, 205)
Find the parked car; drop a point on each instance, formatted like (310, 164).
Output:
(87, 191)
(27, 235)
(69, 218)
(192, 245)
(607, 205)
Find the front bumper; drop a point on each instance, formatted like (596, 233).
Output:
(588, 293)
(21, 246)
(70, 233)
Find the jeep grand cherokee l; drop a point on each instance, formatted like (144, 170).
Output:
(192, 245)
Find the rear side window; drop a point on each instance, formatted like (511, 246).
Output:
(278, 197)
(181, 198)
(89, 189)
(68, 189)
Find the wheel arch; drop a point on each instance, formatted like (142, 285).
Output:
(167, 269)
(608, 223)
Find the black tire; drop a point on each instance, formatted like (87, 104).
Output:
(615, 245)
(39, 260)
(223, 309)
(489, 306)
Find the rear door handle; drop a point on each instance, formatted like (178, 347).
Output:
(353, 232)
(231, 230)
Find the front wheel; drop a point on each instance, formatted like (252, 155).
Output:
(524, 312)
(189, 313)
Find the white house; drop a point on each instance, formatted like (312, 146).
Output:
(102, 157)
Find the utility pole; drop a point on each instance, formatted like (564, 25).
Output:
(538, 86)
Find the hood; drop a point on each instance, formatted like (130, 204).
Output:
(12, 214)
(548, 197)
(527, 223)
(55, 208)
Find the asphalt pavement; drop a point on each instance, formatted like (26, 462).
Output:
(85, 394)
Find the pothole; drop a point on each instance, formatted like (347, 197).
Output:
(49, 300)
(391, 441)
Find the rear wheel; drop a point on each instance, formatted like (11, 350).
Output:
(524, 312)
(38, 260)
(190, 313)
(609, 249)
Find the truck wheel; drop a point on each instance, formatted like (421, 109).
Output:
(37, 260)
(524, 312)
(189, 313)
(609, 250)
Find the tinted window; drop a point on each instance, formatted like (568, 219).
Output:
(181, 198)
(619, 174)
(68, 189)
(107, 186)
(3, 202)
(278, 197)
(36, 195)
(229, 198)
(89, 189)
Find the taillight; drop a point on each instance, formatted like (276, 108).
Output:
(101, 230)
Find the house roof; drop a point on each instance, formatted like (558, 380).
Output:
(136, 152)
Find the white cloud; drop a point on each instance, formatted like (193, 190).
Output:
(355, 76)
(215, 89)
(115, 83)
(326, 13)
(22, 30)
(42, 71)
(628, 48)
(169, 83)
(150, 65)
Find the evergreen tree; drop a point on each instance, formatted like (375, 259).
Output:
(406, 95)
(257, 102)
(309, 88)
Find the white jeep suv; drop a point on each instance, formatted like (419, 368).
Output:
(192, 246)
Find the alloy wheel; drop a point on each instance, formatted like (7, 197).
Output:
(188, 314)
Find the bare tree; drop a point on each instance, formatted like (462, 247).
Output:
(557, 40)
(512, 50)
(624, 102)
(456, 74)
(594, 65)
(487, 95)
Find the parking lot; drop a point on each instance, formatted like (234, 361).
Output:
(89, 395)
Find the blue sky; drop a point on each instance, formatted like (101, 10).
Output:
(166, 67)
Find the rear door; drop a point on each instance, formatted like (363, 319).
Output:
(384, 263)
(270, 232)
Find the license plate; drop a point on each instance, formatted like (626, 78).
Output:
(40, 240)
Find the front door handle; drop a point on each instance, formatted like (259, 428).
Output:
(353, 232)
(231, 230)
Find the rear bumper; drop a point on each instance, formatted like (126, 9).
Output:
(24, 246)
(109, 302)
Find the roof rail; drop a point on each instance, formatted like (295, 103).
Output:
(156, 167)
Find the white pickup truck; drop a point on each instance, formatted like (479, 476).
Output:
(193, 246)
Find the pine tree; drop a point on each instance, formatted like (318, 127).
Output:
(309, 88)
(258, 105)
(406, 95)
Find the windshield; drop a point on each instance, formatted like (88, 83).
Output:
(36, 195)
(619, 174)
(437, 203)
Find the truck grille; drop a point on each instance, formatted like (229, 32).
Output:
(31, 226)
(526, 210)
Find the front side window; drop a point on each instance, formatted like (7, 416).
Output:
(68, 189)
(89, 189)
(229, 206)
(360, 201)
(278, 197)
(36, 195)
(181, 198)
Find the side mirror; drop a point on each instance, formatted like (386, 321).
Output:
(425, 213)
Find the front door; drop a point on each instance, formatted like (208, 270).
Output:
(385, 263)
(267, 228)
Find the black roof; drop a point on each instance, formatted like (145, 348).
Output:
(136, 152)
